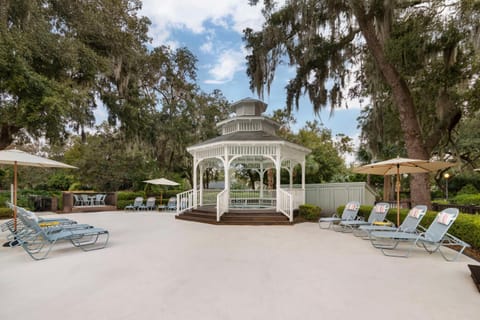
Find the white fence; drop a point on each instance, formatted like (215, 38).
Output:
(329, 196)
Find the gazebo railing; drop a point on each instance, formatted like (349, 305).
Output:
(184, 201)
(222, 204)
(252, 198)
(285, 204)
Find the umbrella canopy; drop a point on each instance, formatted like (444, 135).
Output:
(162, 181)
(20, 158)
(399, 166)
(23, 158)
(402, 165)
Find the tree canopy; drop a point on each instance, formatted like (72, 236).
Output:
(416, 61)
(58, 57)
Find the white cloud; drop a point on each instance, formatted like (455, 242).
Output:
(229, 62)
(167, 15)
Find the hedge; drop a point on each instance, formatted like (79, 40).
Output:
(465, 227)
(6, 213)
(309, 212)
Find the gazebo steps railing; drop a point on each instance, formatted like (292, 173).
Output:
(236, 217)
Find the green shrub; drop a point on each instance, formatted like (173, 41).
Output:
(468, 189)
(466, 199)
(309, 212)
(129, 195)
(121, 204)
(6, 213)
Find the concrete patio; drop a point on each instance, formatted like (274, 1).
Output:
(156, 267)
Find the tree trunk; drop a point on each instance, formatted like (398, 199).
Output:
(419, 184)
(6, 135)
(387, 188)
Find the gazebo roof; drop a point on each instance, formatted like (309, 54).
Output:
(248, 128)
(246, 137)
(241, 136)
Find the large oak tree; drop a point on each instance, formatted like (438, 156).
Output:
(373, 42)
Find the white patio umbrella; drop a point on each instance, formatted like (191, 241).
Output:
(399, 166)
(162, 182)
(20, 158)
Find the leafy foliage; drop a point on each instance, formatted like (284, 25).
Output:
(58, 56)
(309, 212)
(415, 60)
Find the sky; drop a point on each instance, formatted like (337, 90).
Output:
(212, 31)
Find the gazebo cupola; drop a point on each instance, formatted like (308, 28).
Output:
(247, 140)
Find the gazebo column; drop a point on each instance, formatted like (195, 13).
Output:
(303, 180)
(226, 166)
(202, 171)
(278, 168)
(261, 173)
(195, 166)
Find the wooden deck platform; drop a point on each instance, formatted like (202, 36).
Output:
(257, 216)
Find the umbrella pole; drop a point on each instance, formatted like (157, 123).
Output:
(15, 196)
(398, 195)
(14, 242)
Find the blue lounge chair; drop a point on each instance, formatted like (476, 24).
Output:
(378, 214)
(172, 204)
(349, 213)
(149, 204)
(432, 239)
(38, 241)
(409, 224)
(137, 204)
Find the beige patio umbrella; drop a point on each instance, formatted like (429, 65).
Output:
(162, 182)
(399, 166)
(20, 158)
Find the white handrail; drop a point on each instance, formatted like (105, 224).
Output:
(184, 201)
(285, 204)
(222, 204)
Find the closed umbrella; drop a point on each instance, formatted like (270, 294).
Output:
(162, 182)
(20, 158)
(399, 166)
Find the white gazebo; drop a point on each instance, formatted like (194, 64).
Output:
(247, 141)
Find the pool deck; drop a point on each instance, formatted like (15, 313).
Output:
(156, 267)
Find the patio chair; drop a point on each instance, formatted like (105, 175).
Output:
(137, 204)
(38, 241)
(349, 213)
(432, 239)
(378, 214)
(100, 199)
(149, 204)
(77, 201)
(172, 204)
(87, 200)
(409, 224)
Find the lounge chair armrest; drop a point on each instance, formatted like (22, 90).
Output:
(451, 239)
(422, 229)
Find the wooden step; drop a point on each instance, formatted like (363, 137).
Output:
(237, 217)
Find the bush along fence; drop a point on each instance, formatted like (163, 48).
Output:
(466, 227)
(467, 209)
